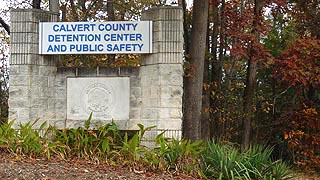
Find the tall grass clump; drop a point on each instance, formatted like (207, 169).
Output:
(174, 155)
(226, 161)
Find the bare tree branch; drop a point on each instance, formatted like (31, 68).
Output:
(5, 25)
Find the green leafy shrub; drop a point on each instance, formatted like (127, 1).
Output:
(225, 161)
(89, 143)
(174, 155)
(7, 135)
(107, 143)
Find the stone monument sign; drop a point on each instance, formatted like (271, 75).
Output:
(150, 94)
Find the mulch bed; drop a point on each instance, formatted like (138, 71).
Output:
(12, 168)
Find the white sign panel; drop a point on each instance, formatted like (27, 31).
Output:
(116, 37)
(106, 98)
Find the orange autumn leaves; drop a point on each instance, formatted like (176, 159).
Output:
(303, 137)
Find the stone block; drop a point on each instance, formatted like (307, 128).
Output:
(135, 92)
(60, 81)
(33, 15)
(135, 102)
(146, 91)
(18, 91)
(129, 71)
(47, 71)
(171, 91)
(171, 69)
(150, 102)
(171, 102)
(167, 31)
(60, 104)
(23, 115)
(51, 103)
(24, 48)
(163, 13)
(170, 124)
(33, 91)
(60, 115)
(66, 72)
(134, 113)
(109, 71)
(28, 37)
(40, 81)
(18, 102)
(19, 80)
(24, 59)
(13, 113)
(51, 82)
(149, 113)
(39, 103)
(46, 92)
(172, 80)
(59, 124)
(61, 93)
(135, 81)
(155, 91)
(167, 36)
(163, 58)
(14, 70)
(167, 47)
(87, 72)
(170, 113)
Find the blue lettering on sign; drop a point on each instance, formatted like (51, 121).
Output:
(122, 37)
(73, 37)
(73, 27)
(118, 27)
(57, 48)
(86, 47)
(124, 47)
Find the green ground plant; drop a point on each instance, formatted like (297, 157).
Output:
(107, 144)
(226, 161)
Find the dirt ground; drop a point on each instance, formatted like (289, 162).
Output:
(31, 169)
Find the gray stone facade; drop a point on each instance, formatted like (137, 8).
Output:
(38, 88)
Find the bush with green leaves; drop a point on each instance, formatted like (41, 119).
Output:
(174, 155)
(108, 144)
(225, 161)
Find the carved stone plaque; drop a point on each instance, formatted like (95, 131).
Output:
(106, 97)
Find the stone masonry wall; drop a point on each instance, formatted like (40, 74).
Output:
(38, 89)
(31, 92)
(162, 72)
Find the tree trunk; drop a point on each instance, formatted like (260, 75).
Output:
(54, 6)
(111, 17)
(74, 11)
(36, 4)
(5, 25)
(185, 30)
(205, 113)
(249, 91)
(193, 89)
(248, 103)
(217, 68)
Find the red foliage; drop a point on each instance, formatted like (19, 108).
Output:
(300, 64)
